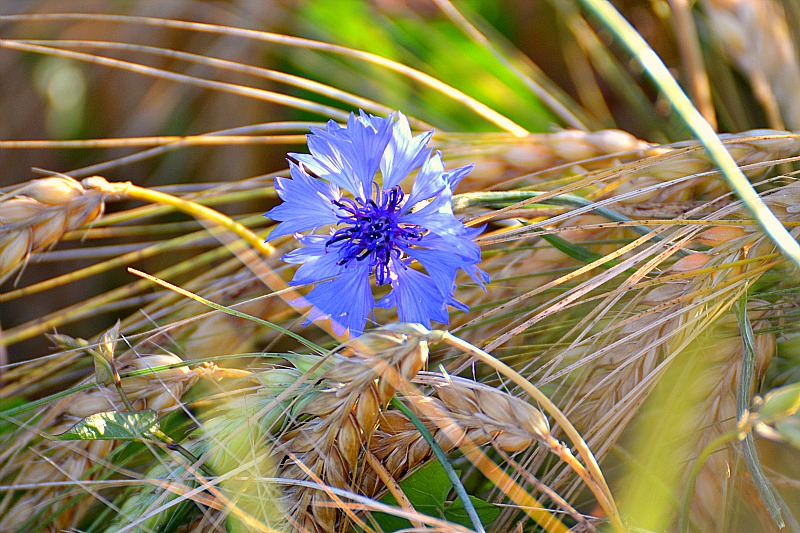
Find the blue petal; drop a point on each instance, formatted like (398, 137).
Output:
(404, 153)
(442, 260)
(368, 142)
(440, 266)
(349, 157)
(346, 300)
(307, 203)
(417, 298)
(429, 182)
(317, 262)
(454, 176)
(330, 159)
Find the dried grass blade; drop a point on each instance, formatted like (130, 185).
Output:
(227, 310)
(351, 100)
(241, 90)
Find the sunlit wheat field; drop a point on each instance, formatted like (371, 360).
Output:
(399, 265)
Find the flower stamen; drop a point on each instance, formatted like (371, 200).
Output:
(373, 231)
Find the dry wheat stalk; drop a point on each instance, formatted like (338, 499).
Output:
(756, 37)
(505, 159)
(31, 460)
(636, 349)
(34, 216)
(662, 185)
(344, 414)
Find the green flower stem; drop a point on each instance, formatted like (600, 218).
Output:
(770, 497)
(508, 198)
(661, 76)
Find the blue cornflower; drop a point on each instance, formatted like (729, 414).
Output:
(377, 228)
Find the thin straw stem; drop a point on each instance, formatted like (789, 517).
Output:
(266, 274)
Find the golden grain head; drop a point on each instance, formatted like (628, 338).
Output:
(36, 215)
(720, 235)
(83, 405)
(156, 361)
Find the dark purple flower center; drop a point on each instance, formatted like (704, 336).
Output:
(373, 232)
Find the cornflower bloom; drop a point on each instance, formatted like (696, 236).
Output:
(377, 228)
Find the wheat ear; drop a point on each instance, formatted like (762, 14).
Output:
(466, 413)
(499, 157)
(675, 320)
(344, 414)
(37, 214)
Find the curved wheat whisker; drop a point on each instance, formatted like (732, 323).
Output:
(254, 129)
(522, 67)
(138, 142)
(240, 90)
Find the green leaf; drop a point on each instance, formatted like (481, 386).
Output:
(114, 425)
(427, 490)
(780, 403)
(455, 512)
(8, 424)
